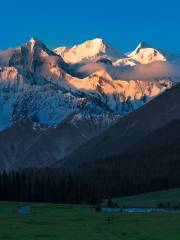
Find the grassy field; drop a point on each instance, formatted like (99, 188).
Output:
(151, 199)
(72, 222)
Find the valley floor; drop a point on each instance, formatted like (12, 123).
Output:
(78, 222)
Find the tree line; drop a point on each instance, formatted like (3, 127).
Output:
(92, 181)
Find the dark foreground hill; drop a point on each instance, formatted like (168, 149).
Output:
(154, 126)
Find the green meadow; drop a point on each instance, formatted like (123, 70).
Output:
(153, 199)
(80, 222)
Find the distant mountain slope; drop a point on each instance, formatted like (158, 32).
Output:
(27, 144)
(137, 127)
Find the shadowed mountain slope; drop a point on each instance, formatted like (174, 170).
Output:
(132, 130)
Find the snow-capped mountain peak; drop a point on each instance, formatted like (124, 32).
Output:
(36, 83)
(37, 46)
(142, 45)
(88, 51)
(96, 42)
(34, 62)
(144, 54)
(34, 41)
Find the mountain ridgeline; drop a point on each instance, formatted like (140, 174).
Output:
(67, 106)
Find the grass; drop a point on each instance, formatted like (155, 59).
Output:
(78, 222)
(151, 199)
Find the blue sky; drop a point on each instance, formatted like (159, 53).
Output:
(121, 23)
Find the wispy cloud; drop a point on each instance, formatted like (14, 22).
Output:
(149, 71)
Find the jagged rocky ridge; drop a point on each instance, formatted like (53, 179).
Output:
(46, 87)
(37, 84)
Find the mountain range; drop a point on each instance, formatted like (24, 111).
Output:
(87, 101)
